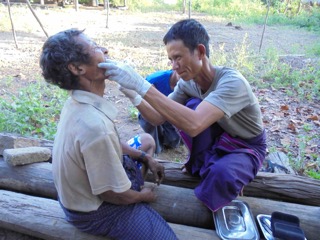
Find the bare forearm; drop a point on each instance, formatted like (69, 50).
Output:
(150, 114)
(128, 197)
(177, 114)
(190, 121)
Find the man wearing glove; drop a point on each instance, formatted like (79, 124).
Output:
(214, 107)
(100, 188)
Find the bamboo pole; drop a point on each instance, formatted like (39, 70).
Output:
(12, 25)
(35, 15)
(264, 26)
(108, 7)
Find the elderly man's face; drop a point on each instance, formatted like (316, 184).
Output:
(98, 54)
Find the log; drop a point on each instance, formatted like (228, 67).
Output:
(276, 186)
(43, 218)
(6, 234)
(176, 201)
(283, 187)
(36, 179)
(175, 204)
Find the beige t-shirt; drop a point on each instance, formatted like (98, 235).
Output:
(87, 154)
(230, 92)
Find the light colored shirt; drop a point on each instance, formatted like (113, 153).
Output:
(87, 154)
(231, 93)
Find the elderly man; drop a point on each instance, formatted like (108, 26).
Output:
(99, 186)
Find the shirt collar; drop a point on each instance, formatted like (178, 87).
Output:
(96, 101)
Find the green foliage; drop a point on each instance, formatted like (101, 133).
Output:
(33, 112)
(313, 174)
(254, 11)
(298, 162)
(239, 58)
(304, 82)
(133, 112)
(272, 70)
(314, 50)
(146, 5)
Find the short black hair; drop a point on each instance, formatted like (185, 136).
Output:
(190, 32)
(58, 52)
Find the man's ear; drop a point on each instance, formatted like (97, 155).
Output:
(202, 50)
(76, 69)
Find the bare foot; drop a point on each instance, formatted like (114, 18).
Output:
(184, 169)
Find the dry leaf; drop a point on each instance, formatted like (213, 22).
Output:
(269, 100)
(285, 141)
(279, 114)
(298, 110)
(292, 127)
(275, 128)
(313, 117)
(317, 123)
(276, 118)
(284, 107)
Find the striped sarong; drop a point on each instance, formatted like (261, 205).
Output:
(224, 163)
(125, 222)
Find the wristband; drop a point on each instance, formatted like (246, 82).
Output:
(136, 100)
(142, 156)
(144, 88)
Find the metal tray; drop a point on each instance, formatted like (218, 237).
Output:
(235, 221)
(265, 225)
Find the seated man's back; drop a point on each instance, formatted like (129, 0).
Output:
(164, 135)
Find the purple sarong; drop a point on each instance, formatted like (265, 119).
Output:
(125, 222)
(225, 164)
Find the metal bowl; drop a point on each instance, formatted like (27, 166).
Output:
(235, 221)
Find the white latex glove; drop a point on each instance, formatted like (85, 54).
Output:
(133, 96)
(125, 76)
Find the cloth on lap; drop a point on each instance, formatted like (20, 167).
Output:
(134, 221)
(224, 163)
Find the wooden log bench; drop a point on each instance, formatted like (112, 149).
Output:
(43, 218)
(280, 187)
(277, 186)
(176, 204)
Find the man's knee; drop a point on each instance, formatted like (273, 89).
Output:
(147, 143)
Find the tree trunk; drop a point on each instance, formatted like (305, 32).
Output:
(283, 187)
(175, 204)
(44, 218)
(184, 3)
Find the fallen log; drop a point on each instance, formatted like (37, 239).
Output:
(175, 204)
(176, 201)
(283, 187)
(43, 218)
(6, 234)
(36, 179)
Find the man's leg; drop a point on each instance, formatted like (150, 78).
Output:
(133, 221)
(153, 131)
(199, 145)
(143, 223)
(145, 143)
(223, 178)
(171, 138)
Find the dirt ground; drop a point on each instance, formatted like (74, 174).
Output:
(137, 37)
